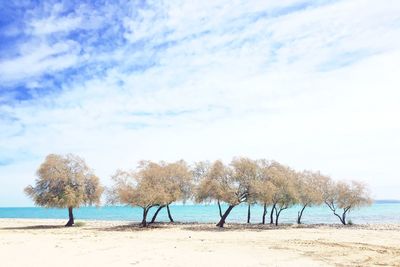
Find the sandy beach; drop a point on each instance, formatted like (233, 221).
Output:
(27, 242)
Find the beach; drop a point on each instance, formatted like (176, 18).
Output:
(45, 242)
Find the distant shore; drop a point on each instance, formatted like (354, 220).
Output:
(45, 242)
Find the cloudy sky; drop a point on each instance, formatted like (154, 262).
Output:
(313, 84)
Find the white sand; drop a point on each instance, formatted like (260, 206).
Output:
(43, 243)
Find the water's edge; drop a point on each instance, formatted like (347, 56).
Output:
(377, 213)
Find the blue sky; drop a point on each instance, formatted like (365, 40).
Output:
(313, 84)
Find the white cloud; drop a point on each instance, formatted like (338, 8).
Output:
(314, 88)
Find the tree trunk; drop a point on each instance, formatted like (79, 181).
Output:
(248, 214)
(277, 213)
(300, 214)
(71, 218)
(220, 210)
(155, 214)
(264, 213)
(169, 214)
(343, 221)
(223, 218)
(272, 214)
(144, 223)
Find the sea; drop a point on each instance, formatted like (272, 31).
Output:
(379, 212)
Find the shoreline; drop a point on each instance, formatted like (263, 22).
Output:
(228, 225)
(44, 242)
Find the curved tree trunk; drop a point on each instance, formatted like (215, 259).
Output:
(219, 208)
(264, 213)
(156, 213)
(272, 214)
(343, 221)
(144, 223)
(278, 213)
(248, 214)
(71, 218)
(341, 218)
(145, 211)
(169, 214)
(223, 218)
(300, 214)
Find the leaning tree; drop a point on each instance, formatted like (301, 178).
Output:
(226, 184)
(176, 180)
(264, 189)
(309, 191)
(345, 197)
(205, 180)
(140, 188)
(285, 194)
(248, 172)
(65, 182)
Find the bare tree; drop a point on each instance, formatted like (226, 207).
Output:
(345, 196)
(65, 182)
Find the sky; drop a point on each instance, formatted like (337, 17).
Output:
(311, 84)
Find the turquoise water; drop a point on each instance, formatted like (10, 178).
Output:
(377, 213)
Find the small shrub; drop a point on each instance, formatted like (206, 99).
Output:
(350, 222)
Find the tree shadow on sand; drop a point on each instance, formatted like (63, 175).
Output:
(201, 227)
(132, 227)
(34, 227)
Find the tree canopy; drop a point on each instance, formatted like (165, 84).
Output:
(65, 182)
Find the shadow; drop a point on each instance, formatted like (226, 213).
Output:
(235, 227)
(196, 226)
(34, 227)
(133, 227)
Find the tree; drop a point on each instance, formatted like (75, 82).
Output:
(248, 172)
(203, 182)
(285, 194)
(226, 184)
(309, 191)
(176, 179)
(210, 179)
(264, 191)
(65, 182)
(140, 188)
(345, 196)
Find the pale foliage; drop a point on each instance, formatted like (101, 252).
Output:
(263, 189)
(309, 188)
(177, 181)
(151, 184)
(230, 184)
(345, 196)
(63, 182)
(283, 179)
(246, 173)
(215, 184)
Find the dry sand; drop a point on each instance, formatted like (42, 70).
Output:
(45, 243)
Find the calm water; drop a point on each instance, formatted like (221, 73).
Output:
(377, 213)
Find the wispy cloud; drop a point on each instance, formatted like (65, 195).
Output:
(310, 83)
